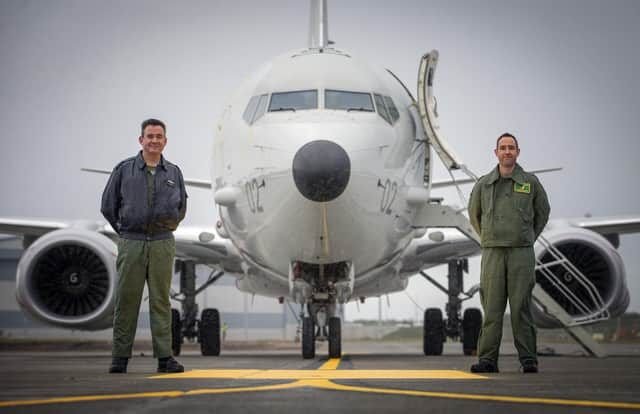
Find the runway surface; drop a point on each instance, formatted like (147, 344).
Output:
(370, 377)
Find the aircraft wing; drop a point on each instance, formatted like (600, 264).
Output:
(30, 227)
(460, 181)
(609, 225)
(440, 245)
(219, 251)
(188, 244)
(437, 246)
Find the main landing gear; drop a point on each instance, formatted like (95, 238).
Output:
(206, 329)
(467, 329)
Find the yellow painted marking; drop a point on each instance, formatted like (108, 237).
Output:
(325, 384)
(320, 379)
(326, 373)
(325, 230)
(92, 398)
(332, 363)
(459, 396)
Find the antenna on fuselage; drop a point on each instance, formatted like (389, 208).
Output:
(318, 25)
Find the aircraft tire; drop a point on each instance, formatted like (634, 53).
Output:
(308, 338)
(176, 332)
(471, 324)
(433, 332)
(209, 332)
(335, 337)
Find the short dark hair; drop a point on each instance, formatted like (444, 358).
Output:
(507, 135)
(152, 121)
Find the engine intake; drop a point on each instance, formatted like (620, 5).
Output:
(598, 260)
(67, 278)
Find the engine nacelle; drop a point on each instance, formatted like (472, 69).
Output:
(67, 278)
(597, 259)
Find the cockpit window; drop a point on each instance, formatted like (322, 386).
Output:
(386, 108)
(391, 109)
(293, 101)
(251, 109)
(382, 109)
(348, 101)
(262, 107)
(255, 108)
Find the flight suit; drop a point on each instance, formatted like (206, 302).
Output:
(141, 261)
(509, 214)
(144, 205)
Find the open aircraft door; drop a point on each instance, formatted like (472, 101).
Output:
(429, 117)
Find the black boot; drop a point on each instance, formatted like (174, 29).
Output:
(169, 365)
(118, 365)
(529, 366)
(484, 366)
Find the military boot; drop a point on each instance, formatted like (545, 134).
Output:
(529, 366)
(484, 366)
(169, 365)
(118, 365)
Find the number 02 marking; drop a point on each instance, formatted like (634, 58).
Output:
(389, 193)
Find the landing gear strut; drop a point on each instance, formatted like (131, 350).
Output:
(467, 329)
(186, 325)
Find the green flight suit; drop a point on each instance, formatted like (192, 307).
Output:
(509, 215)
(141, 261)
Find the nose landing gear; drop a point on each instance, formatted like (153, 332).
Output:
(322, 287)
(315, 328)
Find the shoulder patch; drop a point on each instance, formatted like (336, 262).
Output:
(522, 188)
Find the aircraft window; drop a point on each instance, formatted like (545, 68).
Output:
(251, 109)
(391, 108)
(262, 107)
(382, 110)
(350, 101)
(255, 108)
(293, 101)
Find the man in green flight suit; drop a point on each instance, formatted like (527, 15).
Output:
(508, 208)
(144, 201)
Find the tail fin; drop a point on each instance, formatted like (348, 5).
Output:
(318, 25)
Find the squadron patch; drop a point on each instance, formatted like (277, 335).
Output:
(522, 188)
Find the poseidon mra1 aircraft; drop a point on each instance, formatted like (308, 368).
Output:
(322, 174)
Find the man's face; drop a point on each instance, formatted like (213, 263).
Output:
(507, 152)
(153, 140)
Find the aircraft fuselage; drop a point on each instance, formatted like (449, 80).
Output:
(272, 223)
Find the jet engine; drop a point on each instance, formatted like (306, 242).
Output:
(67, 278)
(594, 257)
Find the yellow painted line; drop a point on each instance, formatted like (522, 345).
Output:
(92, 398)
(245, 389)
(477, 397)
(332, 363)
(326, 384)
(321, 379)
(320, 374)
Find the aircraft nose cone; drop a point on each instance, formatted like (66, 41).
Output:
(321, 170)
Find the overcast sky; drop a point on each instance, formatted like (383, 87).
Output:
(77, 77)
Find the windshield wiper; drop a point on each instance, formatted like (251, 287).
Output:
(359, 109)
(283, 109)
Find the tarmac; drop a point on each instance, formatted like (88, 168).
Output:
(370, 377)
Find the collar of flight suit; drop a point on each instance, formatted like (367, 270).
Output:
(141, 164)
(518, 175)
